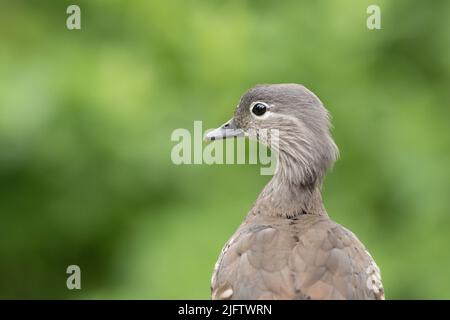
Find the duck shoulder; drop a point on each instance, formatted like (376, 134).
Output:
(306, 257)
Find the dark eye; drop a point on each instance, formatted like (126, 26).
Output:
(259, 109)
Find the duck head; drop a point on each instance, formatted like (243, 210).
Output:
(302, 125)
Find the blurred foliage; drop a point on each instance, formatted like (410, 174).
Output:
(86, 118)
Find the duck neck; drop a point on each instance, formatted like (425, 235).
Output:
(287, 196)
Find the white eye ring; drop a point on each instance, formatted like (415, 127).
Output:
(261, 111)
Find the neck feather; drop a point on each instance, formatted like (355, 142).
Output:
(288, 195)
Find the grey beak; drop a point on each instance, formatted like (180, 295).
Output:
(227, 130)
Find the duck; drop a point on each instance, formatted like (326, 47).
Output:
(287, 247)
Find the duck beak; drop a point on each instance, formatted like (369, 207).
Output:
(227, 130)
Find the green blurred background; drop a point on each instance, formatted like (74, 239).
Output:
(86, 118)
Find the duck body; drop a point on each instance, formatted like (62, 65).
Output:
(287, 246)
(304, 257)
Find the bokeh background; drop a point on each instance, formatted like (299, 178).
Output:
(86, 118)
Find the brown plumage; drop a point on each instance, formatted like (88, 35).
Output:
(287, 247)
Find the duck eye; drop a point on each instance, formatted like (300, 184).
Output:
(259, 109)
